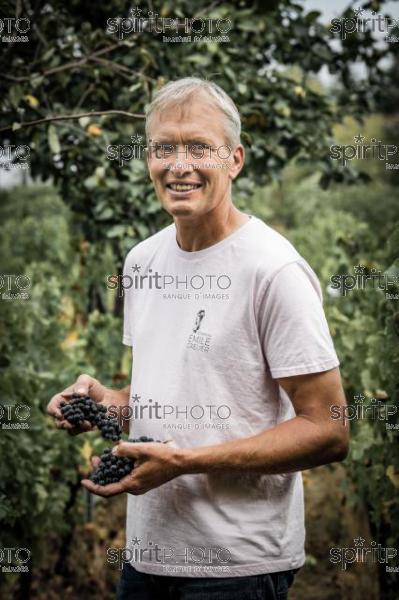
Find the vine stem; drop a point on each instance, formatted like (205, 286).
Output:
(94, 113)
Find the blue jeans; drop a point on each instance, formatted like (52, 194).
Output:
(134, 585)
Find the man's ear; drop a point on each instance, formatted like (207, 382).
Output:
(237, 162)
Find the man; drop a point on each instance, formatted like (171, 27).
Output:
(228, 334)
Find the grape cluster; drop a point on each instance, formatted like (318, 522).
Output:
(112, 468)
(83, 408)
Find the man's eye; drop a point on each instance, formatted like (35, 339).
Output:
(169, 148)
(163, 150)
(199, 147)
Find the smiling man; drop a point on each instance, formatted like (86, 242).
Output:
(232, 346)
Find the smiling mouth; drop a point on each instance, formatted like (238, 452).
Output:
(183, 187)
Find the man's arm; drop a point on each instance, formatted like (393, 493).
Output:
(310, 439)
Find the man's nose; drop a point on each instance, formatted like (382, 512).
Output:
(181, 162)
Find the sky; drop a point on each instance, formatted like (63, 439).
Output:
(331, 9)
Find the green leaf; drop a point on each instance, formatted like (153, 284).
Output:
(53, 140)
(116, 231)
(84, 121)
(393, 475)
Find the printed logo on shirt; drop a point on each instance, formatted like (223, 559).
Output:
(198, 320)
(199, 340)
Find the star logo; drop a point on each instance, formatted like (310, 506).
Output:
(136, 268)
(136, 139)
(359, 542)
(135, 12)
(359, 138)
(358, 12)
(359, 269)
(359, 398)
(136, 541)
(136, 398)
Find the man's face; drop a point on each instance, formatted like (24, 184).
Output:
(190, 162)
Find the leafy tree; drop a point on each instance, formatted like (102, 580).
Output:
(71, 48)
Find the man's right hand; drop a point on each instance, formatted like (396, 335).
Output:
(85, 385)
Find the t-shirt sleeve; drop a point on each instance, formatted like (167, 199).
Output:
(292, 325)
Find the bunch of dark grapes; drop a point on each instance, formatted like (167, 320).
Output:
(83, 408)
(112, 468)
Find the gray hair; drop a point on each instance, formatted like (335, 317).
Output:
(182, 90)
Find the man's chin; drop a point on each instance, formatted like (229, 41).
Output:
(181, 208)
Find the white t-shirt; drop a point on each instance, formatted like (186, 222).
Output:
(211, 331)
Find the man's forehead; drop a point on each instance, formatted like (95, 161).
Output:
(190, 126)
(172, 132)
(186, 116)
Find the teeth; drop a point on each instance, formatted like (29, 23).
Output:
(181, 187)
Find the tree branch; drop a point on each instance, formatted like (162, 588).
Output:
(72, 65)
(94, 113)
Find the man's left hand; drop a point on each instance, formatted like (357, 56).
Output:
(154, 464)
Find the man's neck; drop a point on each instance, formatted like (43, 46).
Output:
(198, 234)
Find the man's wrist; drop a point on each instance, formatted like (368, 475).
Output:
(188, 461)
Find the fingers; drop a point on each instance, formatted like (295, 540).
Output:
(62, 424)
(86, 385)
(130, 449)
(53, 407)
(95, 461)
(83, 385)
(127, 484)
(104, 490)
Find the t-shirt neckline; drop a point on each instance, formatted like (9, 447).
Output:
(215, 247)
